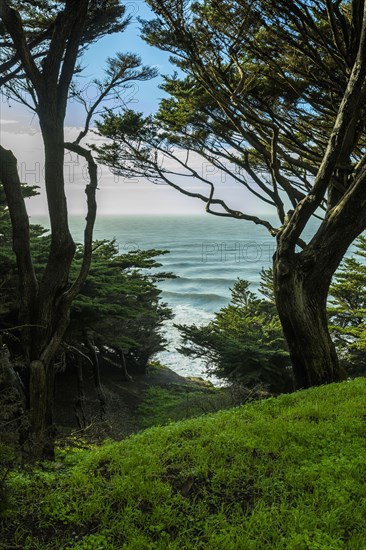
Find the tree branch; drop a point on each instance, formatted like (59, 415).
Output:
(348, 111)
(13, 24)
(90, 191)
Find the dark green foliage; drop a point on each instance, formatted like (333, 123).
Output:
(13, 421)
(7, 461)
(347, 312)
(120, 304)
(104, 17)
(128, 127)
(244, 343)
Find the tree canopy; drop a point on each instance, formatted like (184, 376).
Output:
(120, 305)
(272, 94)
(261, 94)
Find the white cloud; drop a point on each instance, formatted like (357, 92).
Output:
(7, 121)
(116, 195)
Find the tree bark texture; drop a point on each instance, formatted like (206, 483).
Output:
(79, 405)
(96, 373)
(301, 285)
(301, 307)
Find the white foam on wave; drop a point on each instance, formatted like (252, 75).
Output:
(185, 366)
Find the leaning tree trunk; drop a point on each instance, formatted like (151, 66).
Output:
(301, 299)
(301, 285)
(51, 312)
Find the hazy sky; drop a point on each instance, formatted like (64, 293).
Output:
(20, 133)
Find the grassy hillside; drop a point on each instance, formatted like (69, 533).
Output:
(284, 473)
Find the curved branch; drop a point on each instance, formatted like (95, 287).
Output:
(90, 191)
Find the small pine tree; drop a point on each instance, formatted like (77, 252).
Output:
(244, 342)
(347, 311)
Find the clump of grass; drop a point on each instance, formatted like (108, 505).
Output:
(7, 459)
(284, 473)
(164, 405)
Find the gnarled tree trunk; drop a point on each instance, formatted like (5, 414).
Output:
(301, 285)
(79, 405)
(301, 299)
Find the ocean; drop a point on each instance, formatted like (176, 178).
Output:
(206, 253)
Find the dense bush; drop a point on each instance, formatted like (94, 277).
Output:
(119, 308)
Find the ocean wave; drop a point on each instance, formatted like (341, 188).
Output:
(196, 297)
(207, 269)
(170, 265)
(204, 280)
(185, 313)
(198, 286)
(186, 366)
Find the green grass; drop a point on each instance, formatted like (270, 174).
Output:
(284, 473)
